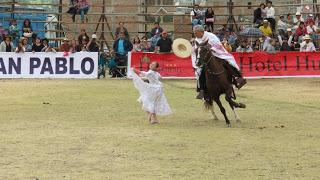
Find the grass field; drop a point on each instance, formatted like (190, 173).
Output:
(95, 129)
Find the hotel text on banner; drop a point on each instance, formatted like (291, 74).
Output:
(49, 65)
(254, 65)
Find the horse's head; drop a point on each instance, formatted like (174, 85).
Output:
(203, 53)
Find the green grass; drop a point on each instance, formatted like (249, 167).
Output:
(95, 129)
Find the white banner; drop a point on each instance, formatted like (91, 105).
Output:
(49, 65)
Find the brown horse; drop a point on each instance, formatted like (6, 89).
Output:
(218, 81)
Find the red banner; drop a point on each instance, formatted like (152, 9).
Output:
(257, 64)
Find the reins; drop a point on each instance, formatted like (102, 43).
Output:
(207, 67)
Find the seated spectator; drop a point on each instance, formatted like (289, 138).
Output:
(27, 29)
(244, 47)
(37, 46)
(145, 44)
(300, 32)
(83, 7)
(73, 9)
(256, 46)
(265, 29)
(136, 44)
(257, 14)
(65, 47)
(285, 46)
(311, 28)
(14, 32)
(307, 45)
(222, 32)
(19, 48)
(6, 45)
(156, 30)
(289, 20)
(282, 25)
(164, 44)
(83, 36)
(75, 47)
(25, 44)
(209, 19)
(45, 44)
(2, 32)
(309, 18)
(121, 28)
(196, 16)
(121, 47)
(93, 45)
(226, 45)
(298, 19)
(270, 47)
(289, 35)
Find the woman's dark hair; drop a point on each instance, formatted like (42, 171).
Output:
(24, 23)
(207, 11)
(134, 40)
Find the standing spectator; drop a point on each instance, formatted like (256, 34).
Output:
(270, 15)
(136, 44)
(300, 32)
(156, 30)
(209, 18)
(65, 47)
(14, 32)
(145, 45)
(6, 45)
(196, 16)
(298, 19)
(121, 47)
(121, 28)
(27, 29)
(265, 29)
(83, 36)
(164, 44)
(25, 44)
(257, 14)
(73, 9)
(244, 47)
(37, 46)
(93, 45)
(83, 6)
(307, 45)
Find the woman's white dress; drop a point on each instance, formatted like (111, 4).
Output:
(152, 96)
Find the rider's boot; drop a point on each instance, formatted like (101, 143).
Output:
(200, 94)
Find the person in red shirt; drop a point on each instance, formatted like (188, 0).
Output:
(65, 47)
(300, 31)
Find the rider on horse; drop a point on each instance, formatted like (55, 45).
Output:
(220, 52)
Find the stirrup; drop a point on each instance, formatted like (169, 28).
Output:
(240, 82)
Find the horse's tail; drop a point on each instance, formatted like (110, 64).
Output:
(208, 103)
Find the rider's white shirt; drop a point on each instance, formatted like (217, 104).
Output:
(217, 48)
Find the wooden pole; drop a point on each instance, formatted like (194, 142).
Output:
(13, 8)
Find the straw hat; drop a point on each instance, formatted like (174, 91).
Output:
(181, 48)
(65, 39)
(94, 36)
(306, 37)
(298, 14)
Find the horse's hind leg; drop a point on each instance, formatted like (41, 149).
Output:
(223, 111)
(209, 105)
(233, 105)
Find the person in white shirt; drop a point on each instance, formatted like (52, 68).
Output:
(220, 52)
(307, 45)
(311, 28)
(270, 15)
(282, 24)
(244, 47)
(196, 16)
(298, 19)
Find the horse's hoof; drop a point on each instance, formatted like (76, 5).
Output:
(238, 121)
(241, 105)
(229, 125)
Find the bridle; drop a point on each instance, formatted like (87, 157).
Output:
(205, 64)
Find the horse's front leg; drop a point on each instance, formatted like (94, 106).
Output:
(223, 111)
(232, 105)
